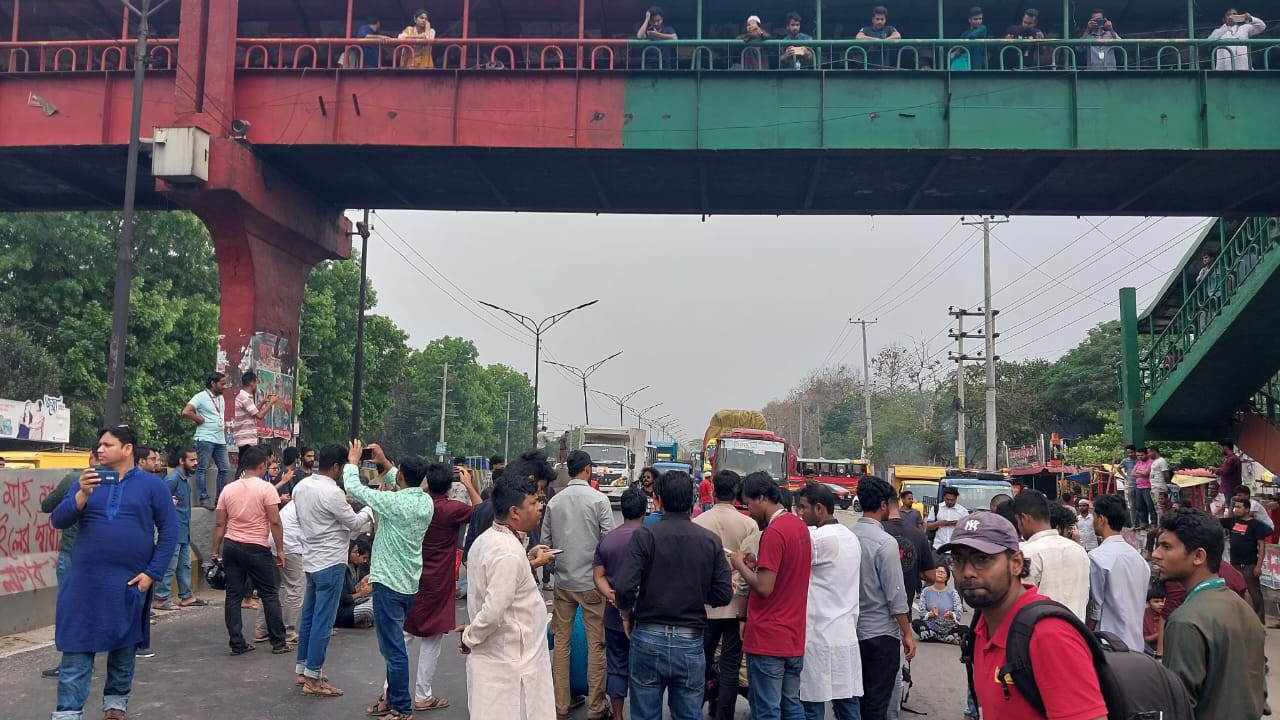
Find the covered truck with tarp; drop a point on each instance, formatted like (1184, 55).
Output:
(725, 420)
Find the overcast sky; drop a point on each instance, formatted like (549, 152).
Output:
(734, 311)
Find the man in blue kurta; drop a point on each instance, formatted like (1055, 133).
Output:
(103, 605)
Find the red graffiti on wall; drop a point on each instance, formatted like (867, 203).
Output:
(28, 543)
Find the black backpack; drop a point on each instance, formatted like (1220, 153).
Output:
(1134, 685)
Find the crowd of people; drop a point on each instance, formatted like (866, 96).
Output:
(764, 594)
(1236, 25)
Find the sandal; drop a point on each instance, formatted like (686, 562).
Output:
(379, 708)
(192, 602)
(321, 689)
(432, 703)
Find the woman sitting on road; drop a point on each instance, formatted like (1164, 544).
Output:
(940, 610)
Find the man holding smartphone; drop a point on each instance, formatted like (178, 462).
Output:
(1235, 26)
(127, 533)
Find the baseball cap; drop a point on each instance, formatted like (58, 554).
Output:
(985, 532)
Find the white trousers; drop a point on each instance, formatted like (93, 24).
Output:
(428, 658)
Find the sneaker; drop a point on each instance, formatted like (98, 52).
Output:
(146, 653)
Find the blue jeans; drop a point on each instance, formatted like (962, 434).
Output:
(774, 689)
(64, 566)
(846, 709)
(670, 658)
(389, 609)
(179, 564)
(315, 624)
(76, 672)
(218, 452)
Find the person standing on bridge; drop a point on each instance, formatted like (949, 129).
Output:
(1235, 26)
(420, 30)
(395, 568)
(575, 520)
(1028, 29)
(371, 30)
(508, 668)
(208, 410)
(654, 27)
(879, 29)
(1099, 29)
(127, 533)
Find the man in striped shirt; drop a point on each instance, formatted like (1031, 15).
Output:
(244, 425)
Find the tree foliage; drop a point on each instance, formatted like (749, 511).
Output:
(57, 274)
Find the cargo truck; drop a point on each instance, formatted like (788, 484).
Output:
(617, 455)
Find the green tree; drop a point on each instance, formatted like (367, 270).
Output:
(56, 282)
(27, 371)
(327, 356)
(1083, 384)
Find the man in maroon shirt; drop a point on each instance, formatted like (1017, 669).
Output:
(776, 607)
(1229, 471)
(989, 568)
(431, 616)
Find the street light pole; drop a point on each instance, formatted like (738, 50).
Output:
(537, 328)
(114, 409)
(584, 374)
(622, 401)
(357, 383)
(640, 414)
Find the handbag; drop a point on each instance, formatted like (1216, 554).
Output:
(215, 575)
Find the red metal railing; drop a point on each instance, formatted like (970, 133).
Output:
(83, 55)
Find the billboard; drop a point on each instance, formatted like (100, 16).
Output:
(43, 420)
(267, 355)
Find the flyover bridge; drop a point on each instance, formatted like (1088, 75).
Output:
(556, 106)
(1203, 362)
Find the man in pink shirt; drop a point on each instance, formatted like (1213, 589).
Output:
(248, 514)
(1145, 507)
(244, 423)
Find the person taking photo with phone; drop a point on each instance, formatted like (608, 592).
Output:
(128, 530)
(1235, 26)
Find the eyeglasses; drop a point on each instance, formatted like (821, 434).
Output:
(980, 561)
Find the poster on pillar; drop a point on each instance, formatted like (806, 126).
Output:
(267, 356)
(28, 543)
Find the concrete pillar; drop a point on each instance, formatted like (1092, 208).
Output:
(1130, 381)
(266, 238)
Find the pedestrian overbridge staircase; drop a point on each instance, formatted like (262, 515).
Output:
(1201, 362)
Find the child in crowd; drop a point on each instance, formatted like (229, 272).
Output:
(1153, 620)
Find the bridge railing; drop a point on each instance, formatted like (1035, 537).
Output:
(548, 54)
(62, 56)
(1215, 289)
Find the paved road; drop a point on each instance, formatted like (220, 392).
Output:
(193, 677)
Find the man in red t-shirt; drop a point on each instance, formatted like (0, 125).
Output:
(706, 492)
(776, 607)
(988, 568)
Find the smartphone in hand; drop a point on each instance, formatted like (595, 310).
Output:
(107, 476)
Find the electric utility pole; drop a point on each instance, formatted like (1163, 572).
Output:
(866, 384)
(959, 335)
(989, 330)
(357, 383)
(506, 438)
(114, 409)
(444, 396)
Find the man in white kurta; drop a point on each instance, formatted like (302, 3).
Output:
(832, 665)
(508, 668)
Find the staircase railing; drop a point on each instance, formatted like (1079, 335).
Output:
(1215, 289)
(1266, 402)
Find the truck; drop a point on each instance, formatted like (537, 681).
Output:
(665, 451)
(724, 421)
(617, 455)
(748, 450)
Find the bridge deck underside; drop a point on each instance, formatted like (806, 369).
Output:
(1030, 182)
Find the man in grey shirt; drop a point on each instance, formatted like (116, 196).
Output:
(575, 520)
(1118, 577)
(883, 617)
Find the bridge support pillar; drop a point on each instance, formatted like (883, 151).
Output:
(1130, 381)
(267, 234)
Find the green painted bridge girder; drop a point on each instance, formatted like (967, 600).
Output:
(1238, 351)
(906, 110)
